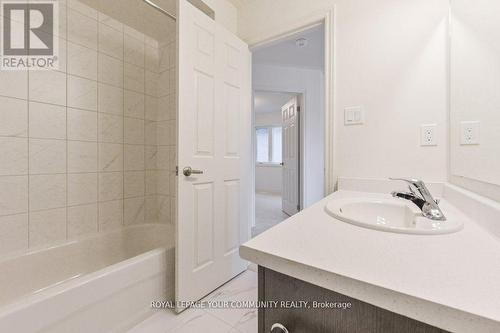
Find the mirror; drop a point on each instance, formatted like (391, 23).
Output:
(475, 96)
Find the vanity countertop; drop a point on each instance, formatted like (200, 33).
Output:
(450, 281)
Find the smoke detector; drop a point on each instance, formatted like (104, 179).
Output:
(301, 42)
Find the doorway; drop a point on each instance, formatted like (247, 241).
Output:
(276, 193)
(288, 125)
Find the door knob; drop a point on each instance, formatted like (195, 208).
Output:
(188, 171)
(278, 328)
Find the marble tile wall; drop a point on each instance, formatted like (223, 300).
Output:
(89, 147)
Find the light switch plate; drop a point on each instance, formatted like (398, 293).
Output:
(354, 115)
(470, 132)
(428, 135)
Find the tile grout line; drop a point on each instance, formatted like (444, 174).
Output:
(71, 107)
(123, 127)
(98, 145)
(28, 152)
(221, 320)
(144, 129)
(67, 143)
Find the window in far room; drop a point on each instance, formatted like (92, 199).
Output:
(269, 145)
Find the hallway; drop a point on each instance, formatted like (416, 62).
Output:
(268, 212)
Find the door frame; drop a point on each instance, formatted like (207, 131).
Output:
(327, 18)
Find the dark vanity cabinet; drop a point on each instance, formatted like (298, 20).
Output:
(332, 312)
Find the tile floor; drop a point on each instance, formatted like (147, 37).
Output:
(242, 288)
(268, 212)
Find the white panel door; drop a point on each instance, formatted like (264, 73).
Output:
(214, 136)
(290, 142)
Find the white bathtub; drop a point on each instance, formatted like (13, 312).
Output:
(103, 283)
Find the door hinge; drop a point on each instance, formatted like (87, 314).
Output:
(176, 170)
(298, 108)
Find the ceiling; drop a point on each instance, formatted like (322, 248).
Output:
(285, 52)
(265, 101)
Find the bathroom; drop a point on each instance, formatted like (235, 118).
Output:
(128, 167)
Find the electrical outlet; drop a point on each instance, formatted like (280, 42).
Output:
(428, 135)
(470, 132)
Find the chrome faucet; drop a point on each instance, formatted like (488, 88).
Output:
(423, 199)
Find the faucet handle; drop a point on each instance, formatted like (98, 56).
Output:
(411, 181)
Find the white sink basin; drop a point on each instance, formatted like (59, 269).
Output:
(391, 215)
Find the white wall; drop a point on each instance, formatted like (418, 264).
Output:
(310, 83)
(391, 58)
(268, 178)
(268, 118)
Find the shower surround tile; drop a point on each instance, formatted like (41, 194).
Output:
(134, 211)
(47, 191)
(80, 145)
(133, 33)
(110, 41)
(134, 131)
(14, 195)
(82, 61)
(110, 99)
(14, 84)
(82, 29)
(134, 78)
(110, 157)
(82, 188)
(151, 157)
(151, 108)
(134, 104)
(152, 58)
(13, 117)
(134, 158)
(110, 186)
(82, 125)
(110, 22)
(47, 227)
(82, 8)
(134, 50)
(82, 93)
(110, 128)
(110, 70)
(82, 220)
(14, 152)
(110, 215)
(151, 182)
(47, 87)
(134, 184)
(13, 233)
(47, 121)
(82, 156)
(47, 156)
